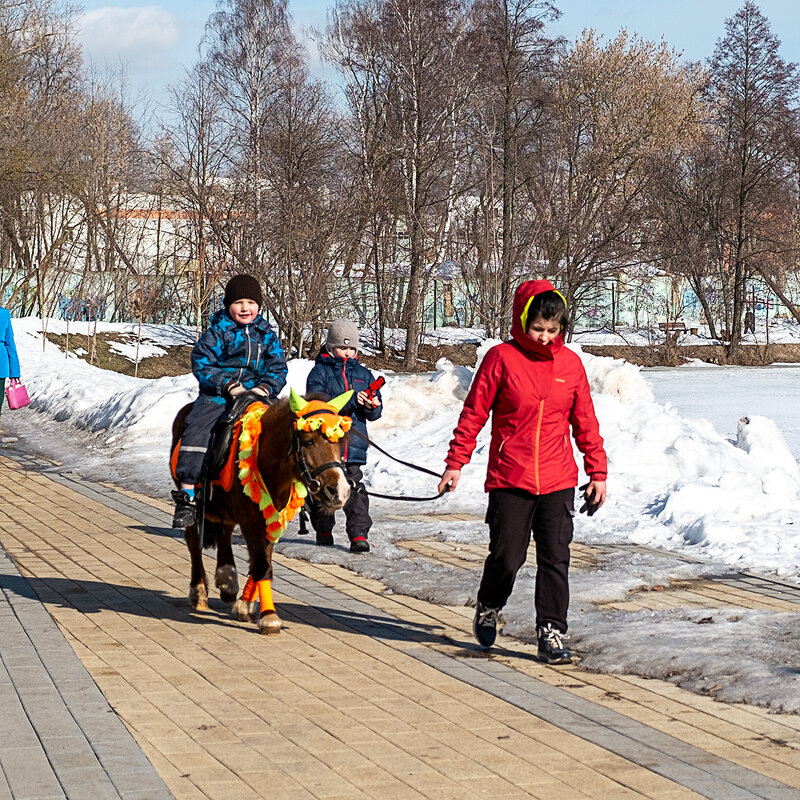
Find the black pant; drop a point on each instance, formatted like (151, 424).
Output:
(194, 441)
(512, 515)
(356, 509)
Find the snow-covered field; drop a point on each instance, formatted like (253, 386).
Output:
(703, 473)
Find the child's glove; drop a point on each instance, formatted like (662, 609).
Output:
(233, 389)
(262, 391)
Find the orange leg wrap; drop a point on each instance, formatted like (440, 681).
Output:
(265, 596)
(249, 591)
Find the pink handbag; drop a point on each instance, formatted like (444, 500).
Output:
(17, 394)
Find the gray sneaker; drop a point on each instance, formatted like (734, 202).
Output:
(552, 649)
(484, 626)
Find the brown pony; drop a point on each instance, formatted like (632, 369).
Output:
(297, 451)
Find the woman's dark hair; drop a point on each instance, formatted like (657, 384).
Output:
(548, 305)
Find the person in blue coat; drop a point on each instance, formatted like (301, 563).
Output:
(337, 370)
(237, 353)
(9, 361)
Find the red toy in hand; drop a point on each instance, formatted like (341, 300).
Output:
(374, 386)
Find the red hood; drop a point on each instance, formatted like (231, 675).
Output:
(523, 294)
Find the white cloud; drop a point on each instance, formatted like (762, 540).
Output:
(142, 37)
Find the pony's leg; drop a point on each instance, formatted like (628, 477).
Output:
(225, 577)
(198, 588)
(260, 551)
(268, 621)
(244, 608)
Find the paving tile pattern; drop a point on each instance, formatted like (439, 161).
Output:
(364, 693)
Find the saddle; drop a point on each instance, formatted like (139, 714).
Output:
(221, 439)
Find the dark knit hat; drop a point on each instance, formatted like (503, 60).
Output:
(341, 333)
(242, 287)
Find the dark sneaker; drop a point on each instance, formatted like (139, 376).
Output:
(552, 649)
(484, 626)
(325, 539)
(359, 545)
(185, 510)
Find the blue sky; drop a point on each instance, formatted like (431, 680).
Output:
(156, 41)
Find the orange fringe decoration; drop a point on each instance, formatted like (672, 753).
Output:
(252, 482)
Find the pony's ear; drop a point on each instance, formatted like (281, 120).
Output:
(296, 403)
(341, 401)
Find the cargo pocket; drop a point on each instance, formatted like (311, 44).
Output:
(566, 523)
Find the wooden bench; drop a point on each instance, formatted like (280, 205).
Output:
(672, 327)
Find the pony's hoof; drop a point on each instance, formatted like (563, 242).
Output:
(269, 623)
(242, 611)
(198, 597)
(227, 582)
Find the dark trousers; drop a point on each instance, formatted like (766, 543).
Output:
(356, 509)
(194, 441)
(512, 515)
(2, 393)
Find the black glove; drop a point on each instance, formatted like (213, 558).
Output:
(233, 389)
(263, 390)
(589, 506)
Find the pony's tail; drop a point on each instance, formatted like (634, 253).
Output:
(211, 532)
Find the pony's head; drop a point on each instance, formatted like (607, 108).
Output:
(319, 426)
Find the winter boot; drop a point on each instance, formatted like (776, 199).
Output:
(552, 649)
(484, 626)
(185, 509)
(325, 539)
(359, 544)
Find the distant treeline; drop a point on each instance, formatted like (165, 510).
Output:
(459, 133)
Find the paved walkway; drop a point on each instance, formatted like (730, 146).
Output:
(111, 685)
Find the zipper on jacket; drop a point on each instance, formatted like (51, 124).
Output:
(344, 380)
(536, 451)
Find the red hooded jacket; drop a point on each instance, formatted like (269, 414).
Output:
(534, 392)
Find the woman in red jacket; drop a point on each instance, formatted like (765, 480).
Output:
(536, 390)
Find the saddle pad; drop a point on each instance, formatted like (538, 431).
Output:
(225, 479)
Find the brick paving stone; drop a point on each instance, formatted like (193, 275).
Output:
(207, 698)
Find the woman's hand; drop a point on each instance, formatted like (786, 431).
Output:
(595, 494)
(449, 476)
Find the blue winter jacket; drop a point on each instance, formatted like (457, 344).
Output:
(9, 361)
(331, 376)
(228, 351)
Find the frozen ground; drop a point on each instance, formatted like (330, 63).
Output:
(725, 394)
(727, 497)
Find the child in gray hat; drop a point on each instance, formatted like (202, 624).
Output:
(337, 370)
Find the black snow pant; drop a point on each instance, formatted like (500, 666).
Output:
(512, 515)
(194, 441)
(356, 509)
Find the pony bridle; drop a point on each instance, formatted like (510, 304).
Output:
(307, 475)
(311, 417)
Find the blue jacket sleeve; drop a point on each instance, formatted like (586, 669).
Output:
(272, 368)
(13, 359)
(316, 381)
(205, 363)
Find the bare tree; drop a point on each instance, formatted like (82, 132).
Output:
(616, 110)
(751, 90)
(39, 89)
(516, 60)
(410, 77)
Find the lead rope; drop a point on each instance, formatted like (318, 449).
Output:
(354, 432)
